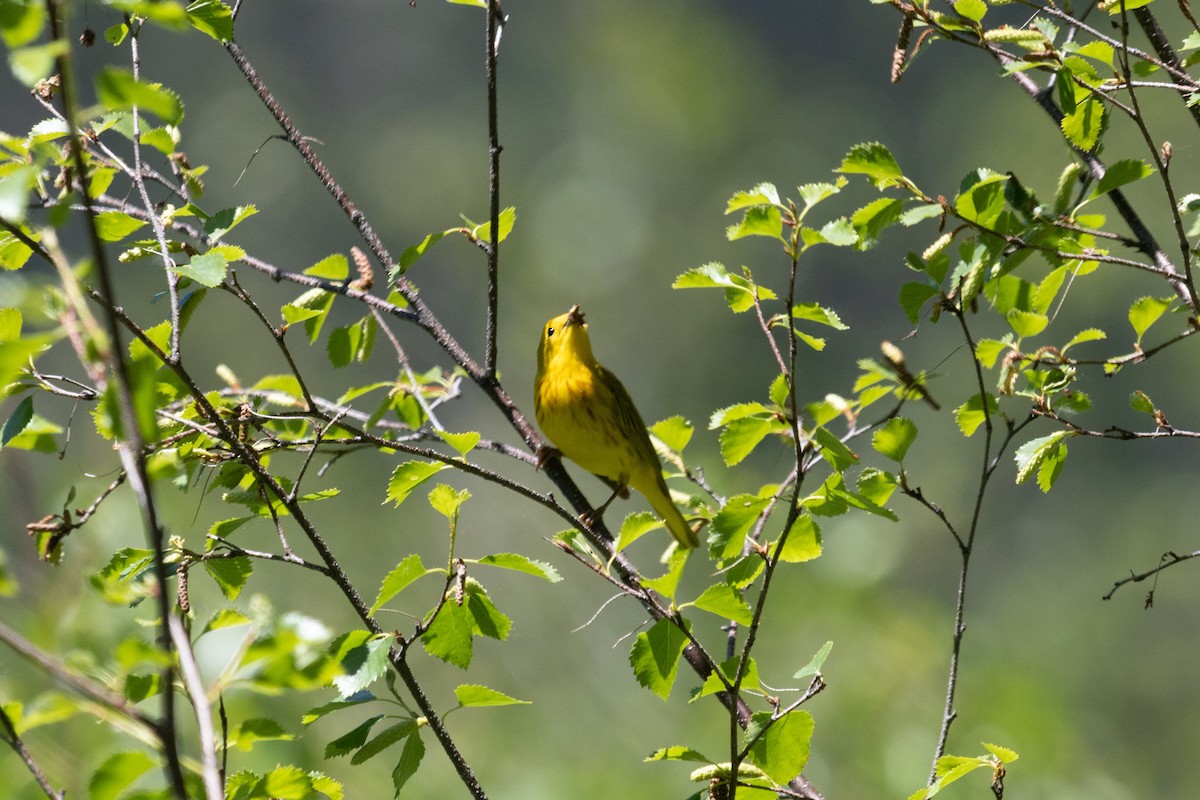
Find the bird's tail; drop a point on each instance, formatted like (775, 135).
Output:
(661, 502)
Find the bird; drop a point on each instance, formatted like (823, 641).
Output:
(589, 417)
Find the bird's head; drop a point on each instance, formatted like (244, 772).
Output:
(565, 336)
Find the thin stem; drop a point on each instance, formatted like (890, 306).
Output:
(495, 22)
(1169, 559)
(131, 447)
(210, 772)
(18, 746)
(85, 686)
(160, 233)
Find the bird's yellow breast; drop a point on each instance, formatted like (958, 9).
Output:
(574, 409)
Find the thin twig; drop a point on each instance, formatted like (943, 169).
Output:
(132, 443)
(18, 746)
(1169, 559)
(210, 772)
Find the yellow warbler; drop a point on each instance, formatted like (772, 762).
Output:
(588, 415)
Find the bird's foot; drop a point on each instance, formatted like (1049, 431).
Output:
(591, 518)
(543, 454)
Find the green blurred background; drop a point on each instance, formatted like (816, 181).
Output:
(625, 127)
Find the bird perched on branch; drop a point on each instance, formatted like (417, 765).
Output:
(590, 418)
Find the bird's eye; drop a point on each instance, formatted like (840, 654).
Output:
(549, 332)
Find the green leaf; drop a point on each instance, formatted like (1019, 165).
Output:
(837, 232)
(113, 226)
(913, 296)
(1003, 753)
(400, 577)
(411, 254)
(225, 618)
(292, 313)
(988, 350)
(1140, 401)
(286, 783)
(119, 90)
(739, 437)
(655, 656)
(410, 756)
(894, 438)
(973, 10)
(634, 526)
(728, 669)
(21, 22)
(335, 267)
(168, 14)
(8, 583)
(408, 476)
(122, 580)
(208, 269)
(779, 390)
(446, 500)
(1118, 6)
(521, 563)
(37, 62)
(1120, 173)
(813, 667)
(1026, 323)
(875, 161)
(736, 518)
(1083, 126)
(326, 786)
(449, 636)
(783, 750)
(385, 739)
(462, 443)
(362, 664)
(1045, 456)
(757, 221)
(971, 414)
(814, 312)
(226, 220)
(486, 619)
(257, 729)
(872, 219)
(473, 695)
(803, 542)
(675, 432)
(667, 583)
(726, 602)
(352, 343)
(764, 194)
(317, 300)
(317, 713)
(740, 292)
(212, 18)
(15, 184)
(20, 418)
(677, 752)
(1086, 335)
(983, 201)
(1146, 311)
(833, 450)
(118, 772)
(352, 740)
(230, 574)
(507, 218)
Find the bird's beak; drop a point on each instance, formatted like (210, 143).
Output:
(574, 316)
